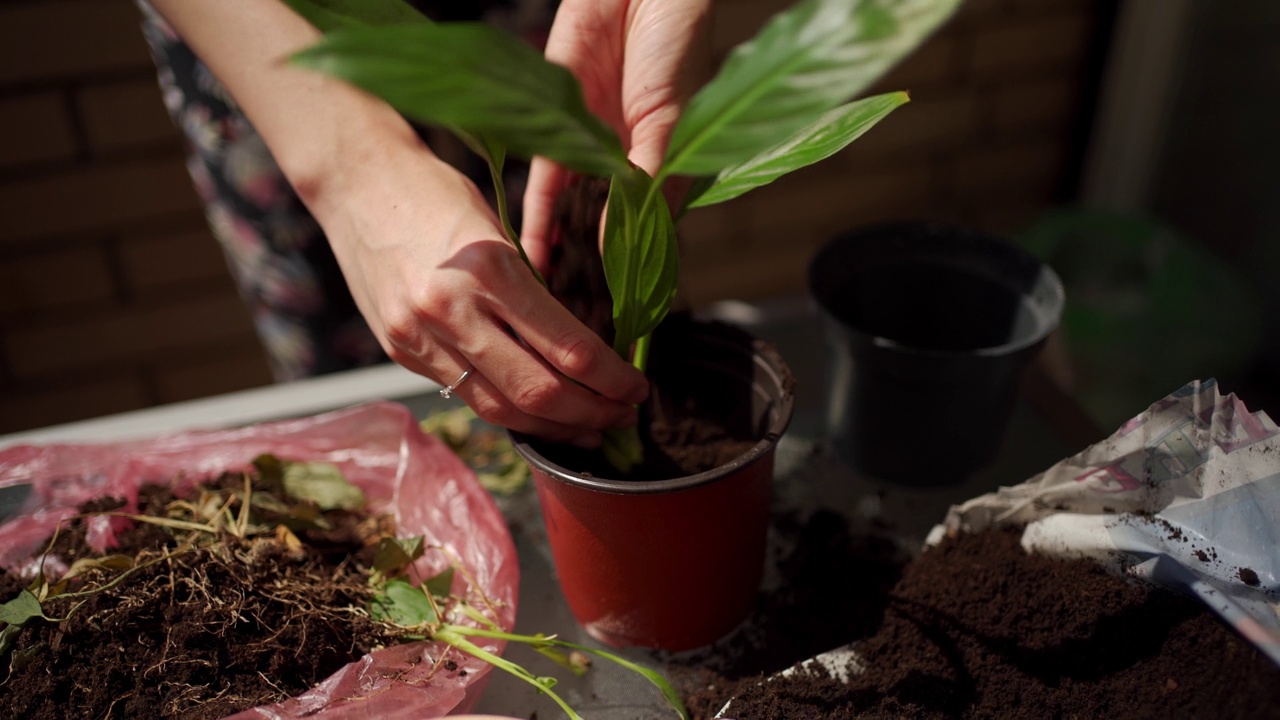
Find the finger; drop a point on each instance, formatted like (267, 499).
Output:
(546, 181)
(493, 406)
(447, 366)
(570, 347)
(537, 389)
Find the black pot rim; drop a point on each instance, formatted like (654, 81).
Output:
(1048, 278)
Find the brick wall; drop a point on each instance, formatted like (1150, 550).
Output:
(113, 295)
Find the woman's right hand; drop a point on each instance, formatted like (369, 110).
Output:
(444, 292)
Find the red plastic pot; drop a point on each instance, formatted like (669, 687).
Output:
(672, 564)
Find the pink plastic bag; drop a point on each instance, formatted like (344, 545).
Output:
(379, 448)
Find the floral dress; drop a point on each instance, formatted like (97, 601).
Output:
(277, 253)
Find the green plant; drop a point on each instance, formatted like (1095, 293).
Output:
(781, 101)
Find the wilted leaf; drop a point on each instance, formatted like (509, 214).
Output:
(403, 604)
(453, 426)
(440, 585)
(270, 472)
(393, 555)
(507, 482)
(268, 502)
(8, 636)
(322, 484)
(22, 659)
(107, 562)
(21, 609)
(285, 537)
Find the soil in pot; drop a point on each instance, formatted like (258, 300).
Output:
(685, 426)
(203, 634)
(979, 628)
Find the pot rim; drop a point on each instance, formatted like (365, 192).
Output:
(523, 444)
(1047, 288)
(778, 415)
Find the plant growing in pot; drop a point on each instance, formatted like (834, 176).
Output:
(667, 558)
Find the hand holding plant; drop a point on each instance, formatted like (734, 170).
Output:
(638, 63)
(781, 101)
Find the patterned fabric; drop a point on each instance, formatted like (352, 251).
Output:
(277, 253)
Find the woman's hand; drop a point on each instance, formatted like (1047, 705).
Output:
(444, 292)
(422, 253)
(639, 62)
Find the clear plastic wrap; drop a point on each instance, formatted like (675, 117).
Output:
(379, 447)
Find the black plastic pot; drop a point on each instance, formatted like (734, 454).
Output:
(929, 328)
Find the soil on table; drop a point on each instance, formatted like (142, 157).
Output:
(683, 433)
(976, 627)
(207, 633)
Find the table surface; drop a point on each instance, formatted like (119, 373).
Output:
(1045, 428)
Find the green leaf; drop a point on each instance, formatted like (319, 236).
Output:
(329, 15)
(477, 78)
(21, 609)
(641, 258)
(829, 135)
(400, 603)
(440, 585)
(393, 555)
(804, 62)
(322, 484)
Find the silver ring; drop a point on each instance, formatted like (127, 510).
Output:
(447, 391)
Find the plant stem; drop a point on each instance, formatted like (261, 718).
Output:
(500, 195)
(640, 358)
(668, 692)
(640, 355)
(451, 635)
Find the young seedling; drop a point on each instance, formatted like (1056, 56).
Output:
(780, 102)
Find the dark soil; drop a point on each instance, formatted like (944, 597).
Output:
(684, 429)
(978, 628)
(207, 633)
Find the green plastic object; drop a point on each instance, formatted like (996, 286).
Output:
(1148, 309)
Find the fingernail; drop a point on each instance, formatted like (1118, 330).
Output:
(590, 441)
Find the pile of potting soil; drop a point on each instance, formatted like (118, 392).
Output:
(976, 627)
